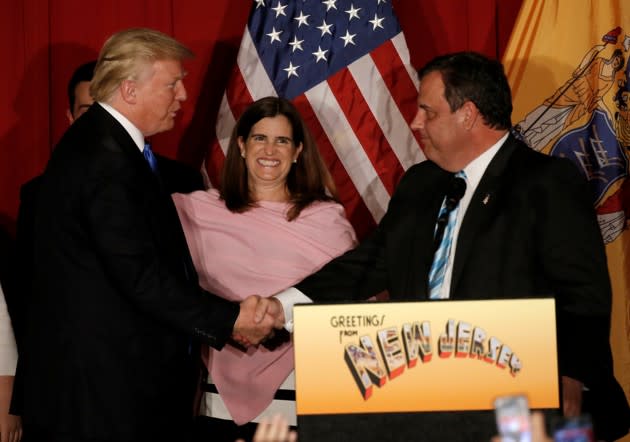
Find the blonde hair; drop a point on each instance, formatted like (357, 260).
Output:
(125, 52)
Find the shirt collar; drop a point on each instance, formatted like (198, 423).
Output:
(132, 130)
(477, 167)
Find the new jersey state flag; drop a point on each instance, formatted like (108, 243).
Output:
(345, 65)
(567, 63)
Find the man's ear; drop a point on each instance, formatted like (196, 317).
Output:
(128, 91)
(470, 113)
(69, 116)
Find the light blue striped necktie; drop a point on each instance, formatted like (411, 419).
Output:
(151, 159)
(444, 234)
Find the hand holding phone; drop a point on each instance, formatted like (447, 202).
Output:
(513, 421)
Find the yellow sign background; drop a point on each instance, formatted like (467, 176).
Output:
(325, 385)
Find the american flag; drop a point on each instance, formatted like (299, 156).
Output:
(345, 65)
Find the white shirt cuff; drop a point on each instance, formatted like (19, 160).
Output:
(288, 298)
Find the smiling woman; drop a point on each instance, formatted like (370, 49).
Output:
(275, 221)
(272, 156)
(269, 153)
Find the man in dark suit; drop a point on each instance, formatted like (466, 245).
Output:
(176, 178)
(106, 347)
(524, 227)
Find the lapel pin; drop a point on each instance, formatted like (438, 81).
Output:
(486, 199)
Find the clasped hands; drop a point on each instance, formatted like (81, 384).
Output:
(257, 320)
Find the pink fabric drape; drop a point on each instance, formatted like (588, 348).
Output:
(258, 251)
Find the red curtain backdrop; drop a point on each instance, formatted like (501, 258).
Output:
(42, 41)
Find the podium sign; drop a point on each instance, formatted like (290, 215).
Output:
(443, 356)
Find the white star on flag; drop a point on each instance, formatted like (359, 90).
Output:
(291, 70)
(325, 28)
(352, 12)
(260, 3)
(330, 4)
(279, 9)
(348, 38)
(275, 35)
(296, 44)
(320, 55)
(301, 19)
(377, 22)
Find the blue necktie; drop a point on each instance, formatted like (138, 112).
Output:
(148, 155)
(444, 234)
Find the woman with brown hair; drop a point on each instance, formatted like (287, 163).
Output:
(274, 221)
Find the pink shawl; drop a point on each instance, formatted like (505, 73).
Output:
(256, 252)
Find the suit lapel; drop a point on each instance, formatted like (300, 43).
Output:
(121, 140)
(482, 209)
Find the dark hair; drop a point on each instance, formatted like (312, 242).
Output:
(308, 179)
(469, 76)
(85, 72)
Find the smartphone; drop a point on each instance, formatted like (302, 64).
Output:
(512, 415)
(575, 429)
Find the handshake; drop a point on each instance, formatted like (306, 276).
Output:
(257, 320)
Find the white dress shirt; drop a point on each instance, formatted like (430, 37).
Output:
(132, 130)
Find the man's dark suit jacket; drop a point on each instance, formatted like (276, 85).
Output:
(175, 177)
(115, 299)
(530, 230)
